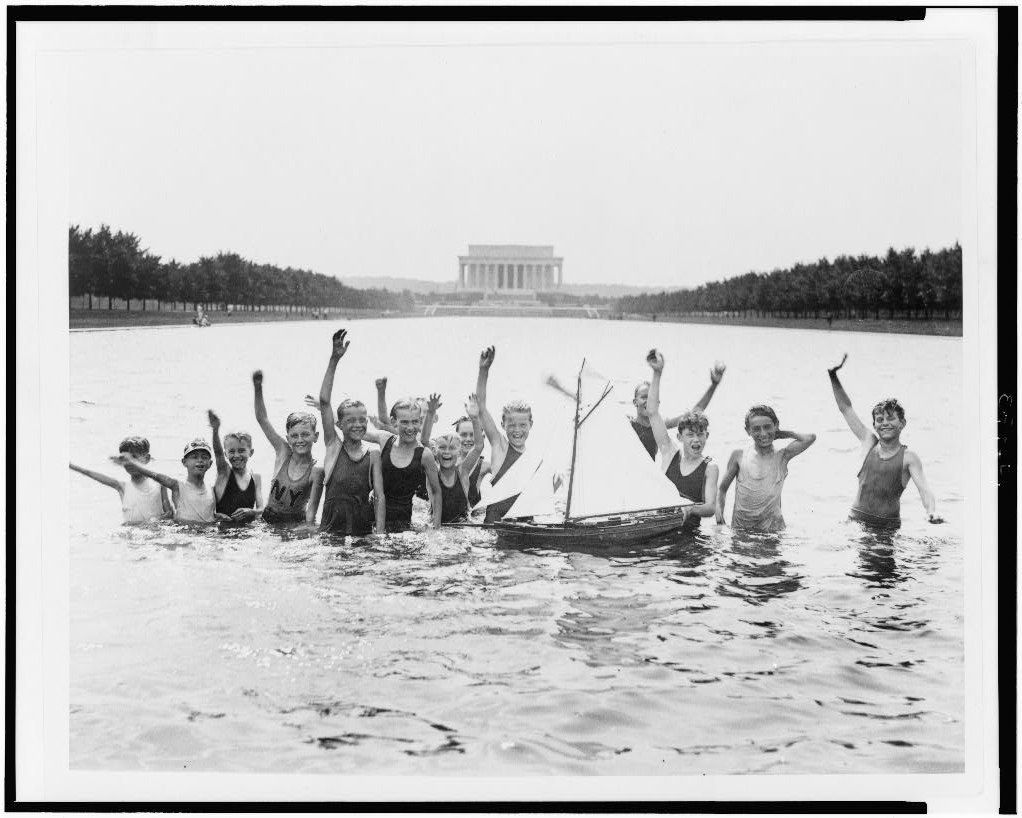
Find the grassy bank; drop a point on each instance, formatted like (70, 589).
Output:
(112, 319)
(952, 327)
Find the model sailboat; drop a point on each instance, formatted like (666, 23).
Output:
(616, 494)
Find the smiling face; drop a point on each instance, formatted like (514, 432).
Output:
(353, 422)
(639, 401)
(408, 422)
(888, 425)
(238, 451)
(517, 426)
(448, 451)
(762, 430)
(466, 435)
(197, 463)
(301, 436)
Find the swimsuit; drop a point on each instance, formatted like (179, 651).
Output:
(473, 483)
(346, 505)
(454, 502)
(646, 437)
(194, 505)
(691, 486)
(497, 510)
(288, 498)
(878, 501)
(758, 495)
(140, 505)
(399, 484)
(234, 498)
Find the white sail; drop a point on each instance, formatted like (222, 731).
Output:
(537, 498)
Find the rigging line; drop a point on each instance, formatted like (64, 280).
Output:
(574, 441)
(606, 391)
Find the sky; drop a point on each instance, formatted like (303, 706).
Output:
(649, 156)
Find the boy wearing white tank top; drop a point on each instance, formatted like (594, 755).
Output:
(142, 500)
(194, 501)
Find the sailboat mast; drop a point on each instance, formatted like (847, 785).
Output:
(574, 440)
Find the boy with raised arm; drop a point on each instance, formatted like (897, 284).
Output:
(351, 468)
(887, 463)
(692, 473)
(294, 468)
(760, 470)
(142, 499)
(194, 501)
(640, 399)
(238, 490)
(507, 443)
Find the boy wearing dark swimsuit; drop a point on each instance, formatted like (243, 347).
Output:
(887, 464)
(238, 491)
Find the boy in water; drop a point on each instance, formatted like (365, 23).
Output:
(142, 499)
(294, 468)
(238, 491)
(640, 399)
(887, 463)
(760, 470)
(350, 468)
(507, 443)
(194, 502)
(692, 473)
(456, 467)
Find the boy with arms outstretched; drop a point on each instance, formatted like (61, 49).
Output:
(194, 501)
(692, 473)
(887, 463)
(507, 442)
(294, 468)
(350, 468)
(142, 499)
(238, 490)
(760, 470)
(640, 399)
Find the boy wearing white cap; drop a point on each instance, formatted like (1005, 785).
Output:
(193, 500)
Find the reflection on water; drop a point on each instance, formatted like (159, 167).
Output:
(825, 648)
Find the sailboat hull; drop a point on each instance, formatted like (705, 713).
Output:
(609, 530)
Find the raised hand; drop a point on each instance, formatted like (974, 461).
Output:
(214, 419)
(433, 403)
(340, 344)
(311, 401)
(472, 406)
(257, 378)
(381, 384)
(718, 371)
(655, 359)
(123, 458)
(834, 369)
(486, 357)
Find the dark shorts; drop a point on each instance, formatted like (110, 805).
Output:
(873, 521)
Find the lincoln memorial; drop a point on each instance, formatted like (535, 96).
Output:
(510, 268)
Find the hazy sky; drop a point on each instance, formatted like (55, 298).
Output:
(642, 162)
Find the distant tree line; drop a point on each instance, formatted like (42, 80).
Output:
(115, 265)
(901, 284)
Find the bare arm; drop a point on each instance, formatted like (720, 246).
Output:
(715, 375)
(468, 462)
(656, 420)
(259, 492)
(314, 494)
(730, 473)
(491, 429)
(802, 442)
(376, 465)
(326, 411)
(168, 507)
(708, 507)
(915, 471)
(381, 406)
(427, 424)
(112, 482)
(222, 466)
(858, 428)
(162, 479)
(276, 441)
(433, 486)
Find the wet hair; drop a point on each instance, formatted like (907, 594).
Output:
(346, 404)
(449, 437)
(241, 437)
(762, 410)
(459, 421)
(695, 420)
(889, 405)
(300, 417)
(405, 404)
(137, 446)
(515, 406)
(635, 394)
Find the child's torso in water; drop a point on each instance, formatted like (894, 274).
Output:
(195, 504)
(288, 496)
(399, 483)
(880, 487)
(235, 497)
(346, 505)
(140, 504)
(758, 495)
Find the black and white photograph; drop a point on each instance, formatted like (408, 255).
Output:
(507, 409)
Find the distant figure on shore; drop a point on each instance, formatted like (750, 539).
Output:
(887, 463)
(200, 319)
(830, 320)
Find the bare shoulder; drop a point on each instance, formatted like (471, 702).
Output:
(712, 471)
(912, 459)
